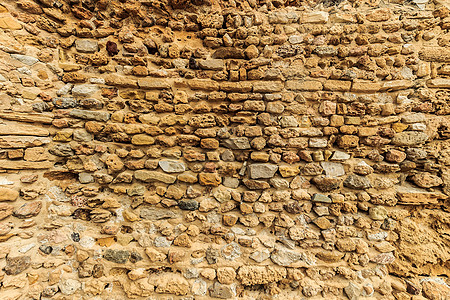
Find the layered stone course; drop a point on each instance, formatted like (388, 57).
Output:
(247, 149)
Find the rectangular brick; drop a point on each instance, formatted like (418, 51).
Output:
(439, 83)
(204, 85)
(153, 84)
(435, 54)
(236, 87)
(396, 85)
(304, 85)
(366, 86)
(267, 86)
(337, 85)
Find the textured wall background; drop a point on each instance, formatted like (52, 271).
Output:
(224, 149)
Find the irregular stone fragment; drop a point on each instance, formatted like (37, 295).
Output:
(240, 143)
(172, 166)
(116, 256)
(69, 286)
(28, 210)
(252, 275)
(262, 170)
(357, 182)
(16, 265)
(101, 116)
(154, 214)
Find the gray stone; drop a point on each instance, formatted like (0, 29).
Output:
(295, 39)
(28, 60)
(231, 251)
(102, 116)
(85, 177)
(188, 205)
(199, 287)
(221, 291)
(65, 102)
(63, 150)
(414, 118)
(16, 265)
(172, 166)
(81, 135)
(69, 286)
(162, 242)
(65, 89)
(260, 256)
(352, 291)
(117, 256)
(84, 90)
(357, 182)
(409, 138)
(88, 46)
(230, 182)
(284, 257)
(262, 170)
(333, 169)
(288, 121)
(154, 214)
(321, 198)
(238, 143)
(318, 142)
(339, 155)
(211, 64)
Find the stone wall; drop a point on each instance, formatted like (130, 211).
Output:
(246, 149)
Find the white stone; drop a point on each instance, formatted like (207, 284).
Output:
(28, 60)
(172, 166)
(86, 45)
(69, 286)
(84, 89)
(339, 155)
(333, 169)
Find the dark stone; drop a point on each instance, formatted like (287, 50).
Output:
(188, 205)
(16, 265)
(111, 48)
(75, 236)
(193, 63)
(46, 249)
(293, 208)
(229, 52)
(357, 182)
(117, 256)
(220, 291)
(326, 184)
(98, 271)
(63, 150)
(135, 257)
(212, 255)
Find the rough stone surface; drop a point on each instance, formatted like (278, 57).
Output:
(175, 149)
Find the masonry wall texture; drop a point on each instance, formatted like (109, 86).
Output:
(240, 149)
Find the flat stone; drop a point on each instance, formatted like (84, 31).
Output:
(172, 166)
(357, 182)
(9, 128)
(409, 138)
(150, 176)
(439, 83)
(436, 54)
(333, 169)
(321, 198)
(16, 265)
(28, 210)
(316, 17)
(253, 275)
(339, 155)
(84, 90)
(24, 165)
(153, 84)
(415, 196)
(267, 86)
(87, 46)
(211, 64)
(238, 143)
(7, 194)
(7, 142)
(28, 60)
(262, 170)
(154, 214)
(102, 116)
(284, 257)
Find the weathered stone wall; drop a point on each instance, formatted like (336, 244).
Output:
(245, 149)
